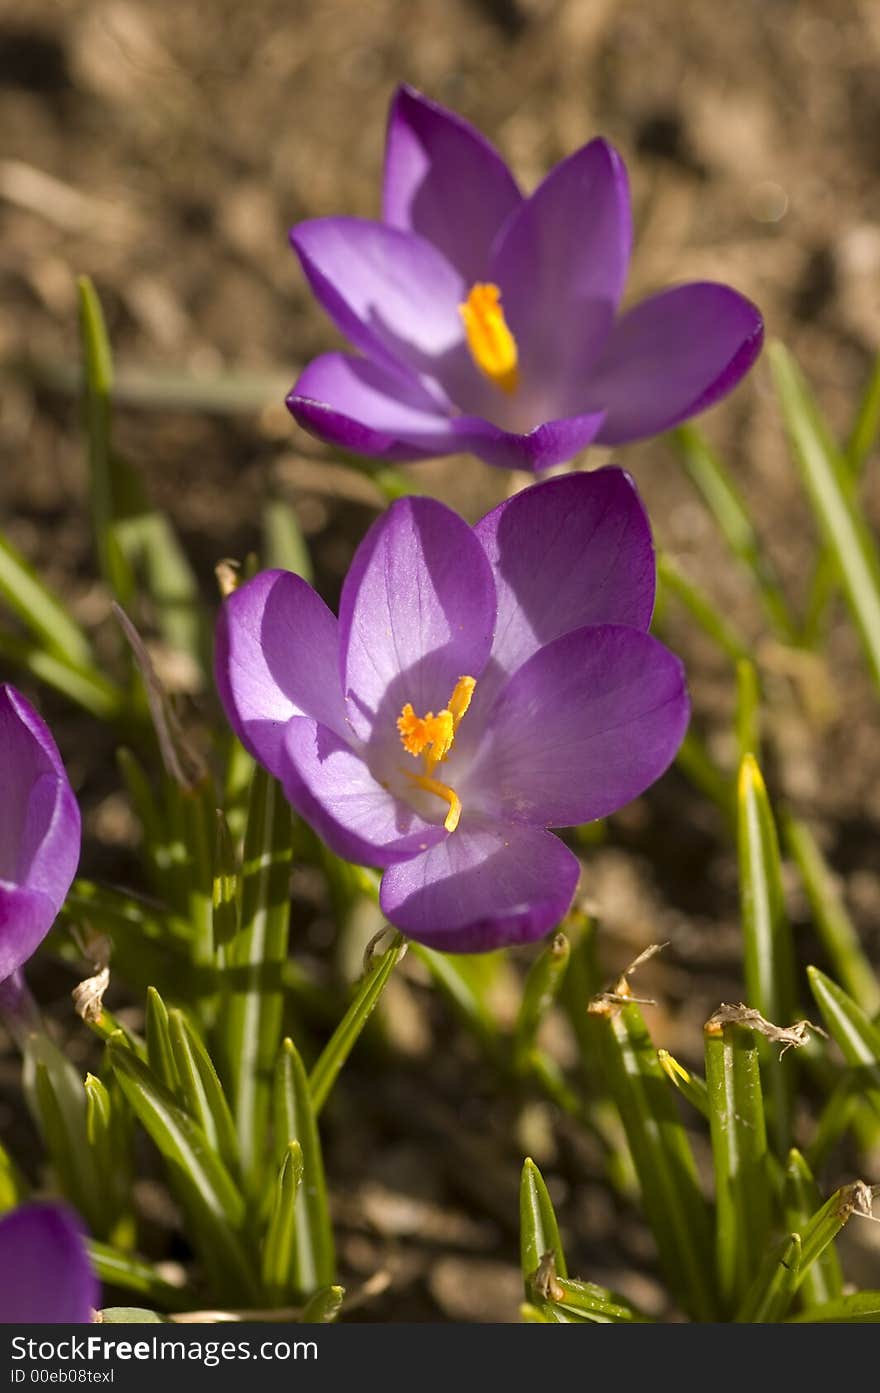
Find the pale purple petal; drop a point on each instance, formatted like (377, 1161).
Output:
(45, 1274)
(396, 298)
(416, 614)
(584, 726)
(566, 553)
(560, 263)
(444, 181)
(276, 657)
(370, 409)
(329, 784)
(671, 357)
(40, 830)
(487, 885)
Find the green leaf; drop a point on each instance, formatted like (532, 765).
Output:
(769, 1296)
(451, 973)
(131, 1273)
(748, 713)
(538, 1229)
(542, 985)
(691, 1086)
(824, 1280)
(204, 1184)
(769, 953)
(225, 898)
(129, 1315)
(673, 1204)
(700, 768)
(252, 1015)
(344, 1037)
(85, 686)
(713, 481)
(323, 1307)
(40, 610)
(836, 930)
(280, 1242)
(862, 1306)
(284, 546)
(842, 525)
(201, 1090)
(854, 1032)
(739, 1154)
(160, 1054)
(702, 609)
(314, 1260)
(823, 1227)
(109, 1142)
(864, 432)
(13, 1186)
(55, 1092)
(596, 1303)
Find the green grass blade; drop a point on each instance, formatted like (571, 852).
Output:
(770, 1294)
(854, 1032)
(85, 686)
(698, 766)
(701, 609)
(823, 1227)
(227, 879)
(824, 1280)
(323, 1307)
(713, 482)
(284, 546)
(201, 1180)
(55, 1092)
(593, 1303)
(450, 973)
(833, 924)
(748, 710)
(131, 1273)
(314, 1260)
(739, 1155)
(280, 1242)
(201, 1089)
(40, 610)
(673, 1204)
(842, 525)
(160, 1054)
(768, 948)
(538, 1229)
(252, 1017)
(541, 987)
(691, 1086)
(862, 1306)
(344, 1037)
(867, 423)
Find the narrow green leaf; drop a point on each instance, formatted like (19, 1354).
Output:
(40, 610)
(160, 1055)
(702, 609)
(862, 1306)
(691, 1086)
(131, 1273)
(748, 697)
(836, 930)
(596, 1303)
(284, 546)
(768, 948)
(280, 1241)
(824, 1226)
(225, 897)
(700, 768)
(55, 1092)
(864, 432)
(542, 985)
(252, 1017)
(314, 1260)
(85, 686)
(769, 1296)
(739, 1154)
(834, 1120)
(323, 1307)
(110, 1152)
(129, 1315)
(854, 1032)
(664, 1162)
(202, 1181)
(201, 1090)
(824, 1281)
(451, 975)
(538, 1229)
(842, 525)
(13, 1186)
(713, 481)
(344, 1037)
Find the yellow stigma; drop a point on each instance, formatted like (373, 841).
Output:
(492, 345)
(432, 737)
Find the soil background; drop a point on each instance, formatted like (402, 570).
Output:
(165, 149)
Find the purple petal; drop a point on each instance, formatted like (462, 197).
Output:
(560, 263)
(396, 298)
(40, 831)
(416, 614)
(671, 357)
(487, 885)
(329, 784)
(444, 181)
(45, 1274)
(374, 410)
(566, 553)
(276, 657)
(584, 726)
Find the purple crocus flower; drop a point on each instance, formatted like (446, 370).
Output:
(488, 322)
(39, 831)
(481, 685)
(45, 1274)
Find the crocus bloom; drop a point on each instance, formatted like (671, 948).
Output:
(39, 831)
(488, 322)
(45, 1274)
(481, 685)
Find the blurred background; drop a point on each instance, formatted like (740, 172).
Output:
(165, 148)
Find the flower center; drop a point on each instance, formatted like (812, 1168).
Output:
(492, 345)
(432, 737)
